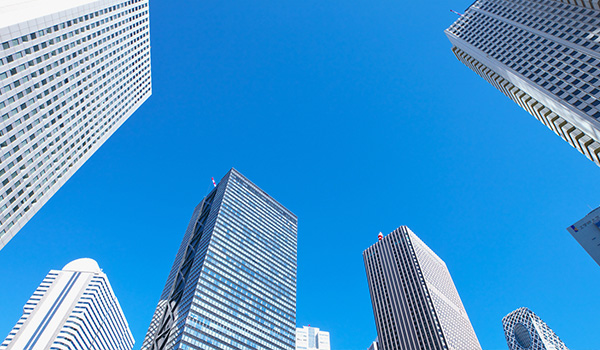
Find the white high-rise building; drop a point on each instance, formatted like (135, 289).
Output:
(587, 233)
(374, 345)
(415, 302)
(312, 338)
(72, 309)
(71, 72)
(544, 55)
(525, 330)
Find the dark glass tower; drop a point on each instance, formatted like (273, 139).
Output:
(233, 283)
(415, 302)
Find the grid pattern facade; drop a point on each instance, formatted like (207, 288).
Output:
(415, 302)
(548, 49)
(567, 131)
(312, 338)
(525, 330)
(71, 310)
(239, 290)
(68, 80)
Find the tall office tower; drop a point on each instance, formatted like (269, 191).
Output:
(233, 283)
(525, 330)
(587, 232)
(311, 338)
(544, 55)
(73, 309)
(374, 346)
(415, 302)
(71, 72)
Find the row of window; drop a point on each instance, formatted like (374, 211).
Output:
(563, 71)
(112, 85)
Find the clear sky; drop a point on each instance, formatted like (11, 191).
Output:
(356, 116)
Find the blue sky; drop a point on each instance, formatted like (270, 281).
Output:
(357, 117)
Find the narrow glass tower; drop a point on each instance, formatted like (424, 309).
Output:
(233, 283)
(415, 302)
(542, 54)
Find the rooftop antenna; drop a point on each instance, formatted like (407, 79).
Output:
(213, 180)
(380, 236)
(458, 13)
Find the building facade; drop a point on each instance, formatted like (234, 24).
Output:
(587, 233)
(374, 345)
(525, 330)
(312, 338)
(544, 55)
(415, 302)
(73, 309)
(233, 283)
(71, 72)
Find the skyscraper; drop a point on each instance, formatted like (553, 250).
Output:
(73, 309)
(544, 55)
(415, 302)
(233, 283)
(374, 345)
(525, 330)
(587, 232)
(71, 72)
(312, 338)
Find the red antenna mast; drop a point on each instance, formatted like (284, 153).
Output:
(380, 236)
(458, 13)
(213, 180)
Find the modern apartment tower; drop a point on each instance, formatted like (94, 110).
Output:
(71, 72)
(73, 309)
(312, 338)
(525, 330)
(587, 232)
(233, 283)
(415, 302)
(542, 54)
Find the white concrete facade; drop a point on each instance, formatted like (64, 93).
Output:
(587, 233)
(312, 338)
(544, 55)
(73, 309)
(71, 72)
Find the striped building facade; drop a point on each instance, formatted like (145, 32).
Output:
(233, 283)
(542, 54)
(415, 302)
(71, 73)
(73, 309)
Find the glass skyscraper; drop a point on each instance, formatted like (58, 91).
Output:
(542, 54)
(415, 302)
(233, 283)
(71, 73)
